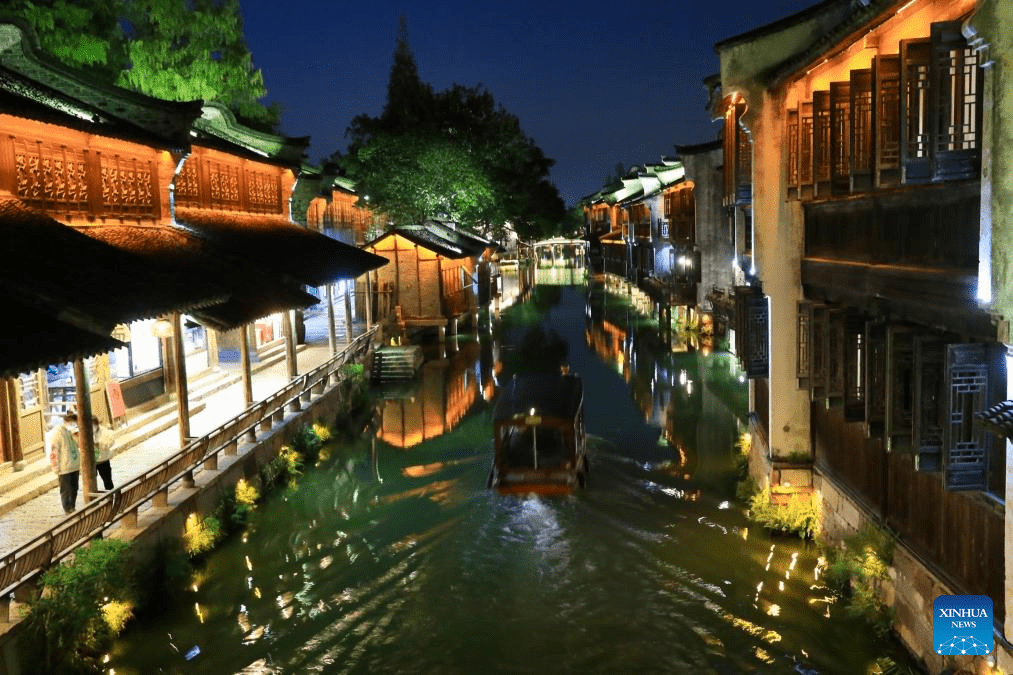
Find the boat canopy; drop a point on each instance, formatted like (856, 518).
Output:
(551, 395)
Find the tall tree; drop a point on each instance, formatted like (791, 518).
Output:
(183, 50)
(504, 175)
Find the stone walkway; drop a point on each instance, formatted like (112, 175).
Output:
(30, 498)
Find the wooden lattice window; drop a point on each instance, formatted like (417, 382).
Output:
(966, 444)
(916, 58)
(223, 185)
(51, 177)
(805, 150)
(757, 323)
(861, 130)
(802, 356)
(263, 192)
(840, 137)
(127, 186)
(927, 442)
(821, 141)
(956, 83)
(886, 77)
(186, 187)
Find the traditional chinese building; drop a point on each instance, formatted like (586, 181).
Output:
(129, 211)
(864, 147)
(431, 279)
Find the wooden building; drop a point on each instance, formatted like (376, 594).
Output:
(127, 211)
(863, 144)
(431, 279)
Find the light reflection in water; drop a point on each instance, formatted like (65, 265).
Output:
(651, 569)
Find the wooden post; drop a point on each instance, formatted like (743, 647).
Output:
(369, 302)
(244, 357)
(332, 341)
(286, 327)
(182, 397)
(85, 431)
(348, 315)
(290, 359)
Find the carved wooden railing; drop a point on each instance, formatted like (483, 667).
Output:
(153, 485)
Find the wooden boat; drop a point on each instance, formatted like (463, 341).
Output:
(540, 444)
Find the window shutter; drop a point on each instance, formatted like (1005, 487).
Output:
(821, 141)
(886, 119)
(804, 338)
(818, 353)
(875, 378)
(965, 444)
(861, 130)
(956, 114)
(791, 140)
(916, 94)
(929, 357)
(854, 368)
(835, 355)
(757, 321)
(899, 382)
(840, 137)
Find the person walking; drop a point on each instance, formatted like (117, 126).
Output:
(66, 461)
(103, 452)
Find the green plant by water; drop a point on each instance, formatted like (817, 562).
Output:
(856, 570)
(81, 605)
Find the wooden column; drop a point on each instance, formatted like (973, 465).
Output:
(244, 357)
(332, 341)
(179, 365)
(348, 314)
(17, 454)
(369, 302)
(85, 431)
(286, 327)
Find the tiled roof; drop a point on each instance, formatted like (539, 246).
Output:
(88, 282)
(248, 293)
(274, 245)
(59, 94)
(33, 339)
(442, 238)
(998, 419)
(218, 122)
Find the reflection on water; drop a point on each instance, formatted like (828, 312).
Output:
(393, 557)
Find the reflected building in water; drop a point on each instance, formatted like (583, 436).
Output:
(444, 391)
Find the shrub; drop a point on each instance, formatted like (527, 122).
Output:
(67, 626)
(201, 534)
(799, 516)
(856, 571)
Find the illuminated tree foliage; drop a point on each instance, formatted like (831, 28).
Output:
(179, 50)
(183, 50)
(454, 154)
(82, 35)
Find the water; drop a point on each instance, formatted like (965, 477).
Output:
(393, 557)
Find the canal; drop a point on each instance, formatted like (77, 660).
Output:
(392, 556)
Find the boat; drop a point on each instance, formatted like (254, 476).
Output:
(539, 441)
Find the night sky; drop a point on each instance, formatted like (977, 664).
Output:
(594, 83)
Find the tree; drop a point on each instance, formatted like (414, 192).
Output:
(181, 50)
(459, 143)
(87, 37)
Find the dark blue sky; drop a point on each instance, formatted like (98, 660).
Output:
(594, 83)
